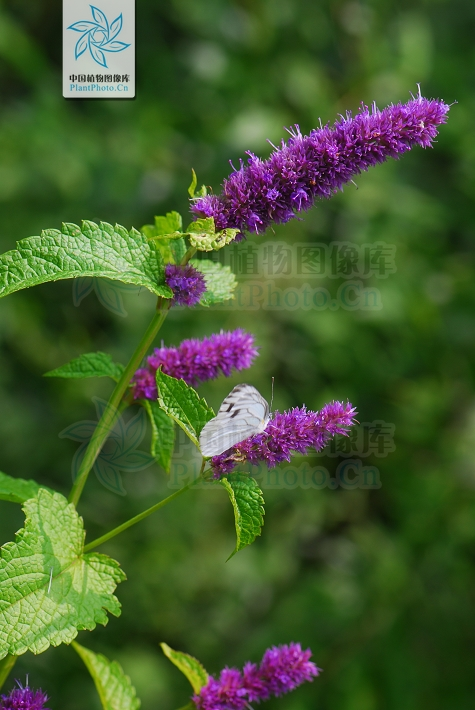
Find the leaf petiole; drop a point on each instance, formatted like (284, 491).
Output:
(141, 516)
(6, 665)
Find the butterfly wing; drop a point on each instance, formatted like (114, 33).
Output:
(244, 412)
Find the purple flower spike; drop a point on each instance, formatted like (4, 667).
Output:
(316, 166)
(24, 699)
(197, 361)
(283, 669)
(295, 430)
(187, 283)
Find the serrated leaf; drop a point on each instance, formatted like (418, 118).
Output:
(204, 237)
(220, 281)
(89, 365)
(50, 589)
(163, 434)
(113, 686)
(90, 250)
(183, 404)
(189, 666)
(248, 504)
(18, 490)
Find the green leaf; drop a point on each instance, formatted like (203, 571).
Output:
(167, 236)
(183, 404)
(220, 281)
(189, 666)
(163, 434)
(248, 504)
(17, 490)
(89, 365)
(49, 589)
(202, 192)
(114, 687)
(204, 237)
(168, 227)
(178, 249)
(194, 182)
(89, 250)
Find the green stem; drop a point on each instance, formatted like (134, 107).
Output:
(111, 412)
(6, 665)
(138, 518)
(189, 255)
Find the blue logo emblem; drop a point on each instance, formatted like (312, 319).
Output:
(98, 36)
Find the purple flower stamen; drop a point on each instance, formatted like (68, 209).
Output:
(307, 168)
(187, 283)
(197, 361)
(283, 668)
(23, 699)
(294, 431)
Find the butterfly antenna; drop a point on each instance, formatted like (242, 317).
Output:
(272, 395)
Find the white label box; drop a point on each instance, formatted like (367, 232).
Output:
(99, 49)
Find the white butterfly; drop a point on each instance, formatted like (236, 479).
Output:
(243, 413)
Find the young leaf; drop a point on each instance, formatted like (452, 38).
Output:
(183, 404)
(17, 490)
(167, 236)
(113, 686)
(194, 182)
(204, 237)
(50, 589)
(89, 365)
(189, 666)
(248, 504)
(202, 192)
(220, 281)
(89, 250)
(163, 434)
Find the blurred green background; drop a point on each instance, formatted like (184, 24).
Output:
(379, 583)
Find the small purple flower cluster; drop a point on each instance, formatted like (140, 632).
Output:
(23, 699)
(283, 668)
(197, 361)
(187, 283)
(316, 166)
(295, 430)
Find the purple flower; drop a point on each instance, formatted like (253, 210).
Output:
(187, 283)
(315, 166)
(295, 430)
(23, 699)
(196, 360)
(283, 668)
(227, 693)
